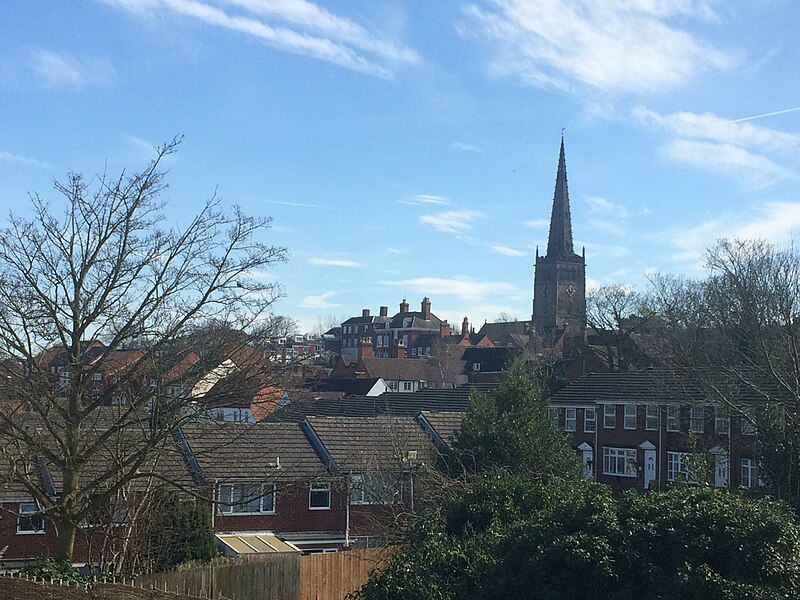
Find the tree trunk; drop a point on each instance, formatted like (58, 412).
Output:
(65, 540)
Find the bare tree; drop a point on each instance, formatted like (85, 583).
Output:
(736, 331)
(616, 313)
(170, 304)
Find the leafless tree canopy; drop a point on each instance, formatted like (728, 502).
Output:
(171, 304)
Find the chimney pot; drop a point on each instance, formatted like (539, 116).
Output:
(365, 312)
(384, 311)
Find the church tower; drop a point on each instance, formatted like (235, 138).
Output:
(559, 279)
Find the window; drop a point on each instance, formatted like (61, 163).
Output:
(30, 519)
(610, 416)
(651, 418)
(570, 418)
(749, 473)
(748, 420)
(393, 385)
(619, 461)
(476, 366)
(630, 416)
(722, 421)
(673, 418)
(97, 376)
(589, 420)
(356, 329)
(373, 489)
(413, 352)
(552, 414)
(678, 466)
(697, 419)
(408, 386)
(319, 496)
(246, 498)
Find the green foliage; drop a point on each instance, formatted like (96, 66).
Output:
(50, 568)
(511, 537)
(509, 428)
(178, 531)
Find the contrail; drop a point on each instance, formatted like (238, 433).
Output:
(779, 112)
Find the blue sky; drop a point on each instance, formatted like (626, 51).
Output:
(406, 149)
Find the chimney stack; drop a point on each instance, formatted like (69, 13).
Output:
(426, 308)
(400, 349)
(404, 306)
(365, 312)
(444, 328)
(365, 348)
(465, 328)
(384, 311)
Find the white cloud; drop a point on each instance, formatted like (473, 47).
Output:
(463, 287)
(425, 199)
(21, 160)
(713, 143)
(334, 262)
(605, 44)
(396, 251)
(776, 221)
(537, 223)
(320, 301)
(595, 250)
(607, 216)
(506, 251)
(465, 147)
(296, 26)
(62, 70)
(451, 221)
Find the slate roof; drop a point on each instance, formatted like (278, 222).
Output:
(417, 321)
(399, 404)
(646, 386)
(512, 333)
(345, 385)
(370, 443)
(492, 360)
(240, 451)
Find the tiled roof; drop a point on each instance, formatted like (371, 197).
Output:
(366, 443)
(397, 404)
(417, 321)
(444, 424)
(514, 333)
(238, 451)
(406, 369)
(647, 385)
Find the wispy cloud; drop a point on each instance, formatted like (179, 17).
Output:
(299, 204)
(396, 251)
(537, 223)
(334, 262)
(610, 45)
(425, 200)
(776, 221)
(63, 70)
(462, 287)
(738, 148)
(597, 250)
(21, 160)
(465, 147)
(319, 302)
(506, 251)
(452, 221)
(296, 26)
(606, 216)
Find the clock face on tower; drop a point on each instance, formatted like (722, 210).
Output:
(570, 289)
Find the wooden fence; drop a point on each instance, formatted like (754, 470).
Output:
(21, 587)
(327, 576)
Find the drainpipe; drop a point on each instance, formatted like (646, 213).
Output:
(411, 486)
(347, 513)
(214, 507)
(660, 454)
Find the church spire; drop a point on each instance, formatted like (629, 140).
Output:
(559, 243)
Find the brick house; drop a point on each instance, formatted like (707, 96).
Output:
(647, 429)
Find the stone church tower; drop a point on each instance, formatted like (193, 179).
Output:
(559, 279)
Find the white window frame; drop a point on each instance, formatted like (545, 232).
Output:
(589, 424)
(363, 489)
(408, 386)
(263, 493)
(570, 419)
(722, 421)
(697, 422)
(651, 417)
(629, 420)
(619, 462)
(319, 487)
(673, 417)
(476, 366)
(609, 416)
(30, 513)
(749, 473)
(678, 467)
(552, 414)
